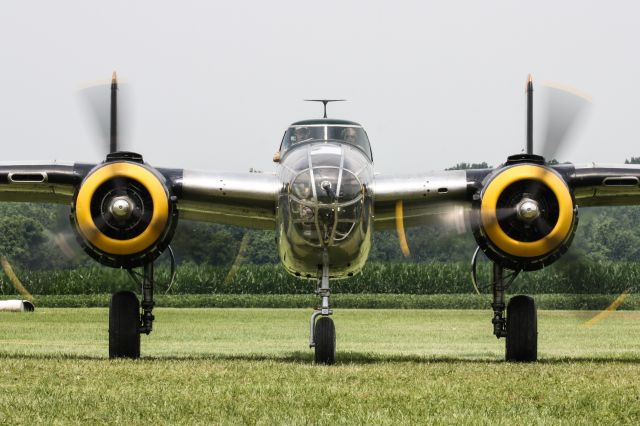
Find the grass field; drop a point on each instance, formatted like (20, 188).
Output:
(253, 366)
(339, 301)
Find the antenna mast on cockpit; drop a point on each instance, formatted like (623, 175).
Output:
(325, 102)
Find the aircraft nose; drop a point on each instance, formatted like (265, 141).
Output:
(326, 185)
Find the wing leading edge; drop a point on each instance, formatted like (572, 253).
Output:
(243, 199)
(445, 197)
(606, 184)
(435, 197)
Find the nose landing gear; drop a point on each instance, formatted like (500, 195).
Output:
(322, 331)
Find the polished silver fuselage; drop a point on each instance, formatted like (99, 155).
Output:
(325, 206)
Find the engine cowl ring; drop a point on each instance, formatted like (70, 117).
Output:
(524, 216)
(123, 214)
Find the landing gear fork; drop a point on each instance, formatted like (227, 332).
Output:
(324, 292)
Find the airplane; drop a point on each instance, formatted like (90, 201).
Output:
(324, 202)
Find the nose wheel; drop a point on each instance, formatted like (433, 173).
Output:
(325, 341)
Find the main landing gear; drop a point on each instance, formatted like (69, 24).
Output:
(520, 328)
(127, 321)
(322, 331)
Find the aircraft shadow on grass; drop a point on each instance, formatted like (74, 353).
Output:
(348, 358)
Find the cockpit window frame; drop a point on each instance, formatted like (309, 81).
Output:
(325, 139)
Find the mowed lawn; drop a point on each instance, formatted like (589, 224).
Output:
(248, 366)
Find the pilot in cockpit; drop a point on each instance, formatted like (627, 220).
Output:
(350, 135)
(301, 134)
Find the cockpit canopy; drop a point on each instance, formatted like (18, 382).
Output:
(326, 130)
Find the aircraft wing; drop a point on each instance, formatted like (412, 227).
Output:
(249, 199)
(445, 197)
(243, 199)
(40, 183)
(606, 184)
(434, 197)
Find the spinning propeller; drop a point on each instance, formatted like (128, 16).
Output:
(523, 214)
(109, 108)
(123, 212)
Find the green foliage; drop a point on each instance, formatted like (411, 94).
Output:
(607, 233)
(262, 248)
(27, 234)
(467, 166)
(377, 277)
(206, 243)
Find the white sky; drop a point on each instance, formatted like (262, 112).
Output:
(216, 83)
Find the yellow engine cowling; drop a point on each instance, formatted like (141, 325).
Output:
(124, 214)
(524, 216)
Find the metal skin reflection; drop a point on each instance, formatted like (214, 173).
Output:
(324, 208)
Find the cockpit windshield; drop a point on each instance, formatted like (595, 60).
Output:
(354, 135)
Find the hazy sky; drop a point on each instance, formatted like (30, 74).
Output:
(216, 83)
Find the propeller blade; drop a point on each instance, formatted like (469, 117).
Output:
(113, 115)
(402, 237)
(504, 213)
(607, 311)
(65, 241)
(565, 108)
(449, 218)
(96, 102)
(17, 284)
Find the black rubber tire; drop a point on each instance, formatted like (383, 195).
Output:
(124, 323)
(522, 330)
(325, 337)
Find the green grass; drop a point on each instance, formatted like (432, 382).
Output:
(252, 366)
(340, 300)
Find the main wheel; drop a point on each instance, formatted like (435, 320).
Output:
(522, 330)
(325, 338)
(124, 321)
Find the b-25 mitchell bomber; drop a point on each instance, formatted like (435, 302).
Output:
(324, 203)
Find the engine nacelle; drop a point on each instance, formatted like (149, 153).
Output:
(123, 213)
(524, 216)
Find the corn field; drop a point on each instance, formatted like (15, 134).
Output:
(390, 278)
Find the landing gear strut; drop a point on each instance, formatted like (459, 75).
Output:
(147, 299)
(322, 333)
(520, 328)
(127, 321)
(498, 287)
